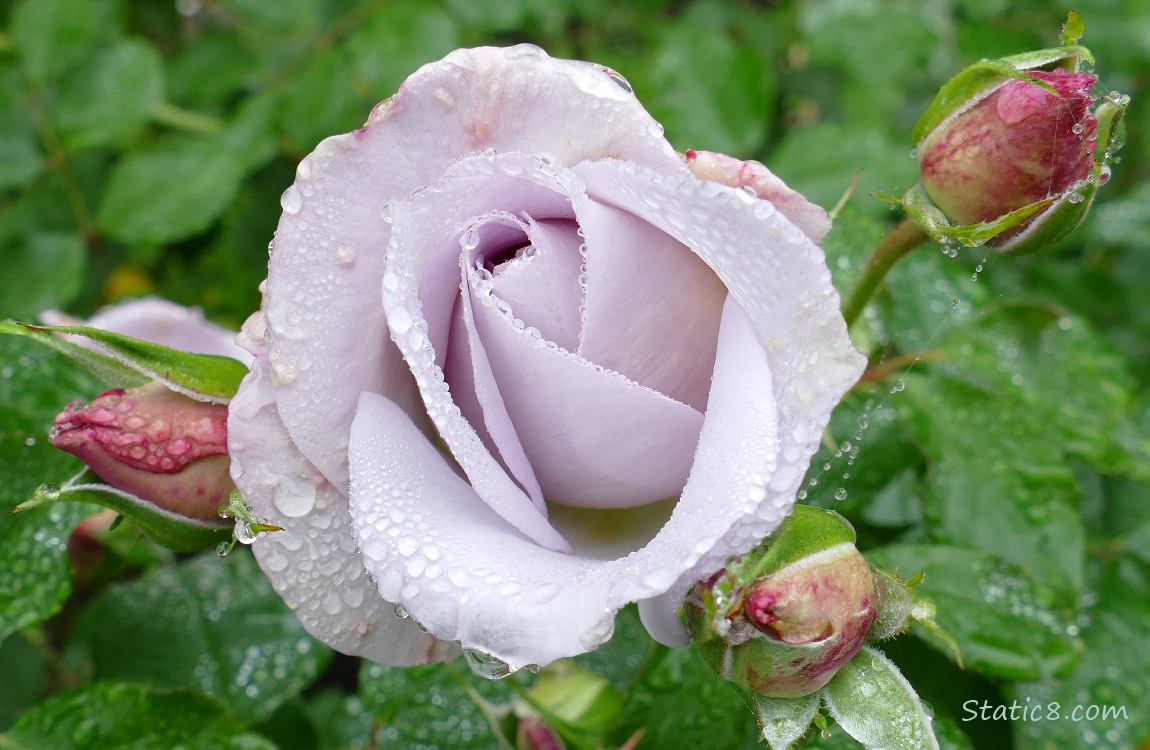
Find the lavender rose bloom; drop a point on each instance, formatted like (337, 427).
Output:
(522, 365)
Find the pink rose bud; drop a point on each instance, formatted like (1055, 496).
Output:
(1015, 146)
(782, 619)
(536, 734)
(156, 444)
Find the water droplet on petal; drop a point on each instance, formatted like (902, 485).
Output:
(292, 200)
(487, 666)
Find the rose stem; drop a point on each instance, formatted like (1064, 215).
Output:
(897, 243)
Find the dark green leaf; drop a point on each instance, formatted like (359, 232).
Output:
(50, 35)
(112, 716)
(111, 97)
(1005, 624)
(682, 705)
(441, 705)
(1108, 690)
(324, 100)
(168, 191)
(52, 267)
(35, 384)
(396, 39)
(1063, 373)
(998, 483)
(712, 94)
(26, 671)
(210, 624)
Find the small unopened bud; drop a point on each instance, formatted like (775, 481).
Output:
(156, 444)
(536, 734)
(782, 619)
(1015, 146)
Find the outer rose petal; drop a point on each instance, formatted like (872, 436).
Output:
(330, 244)
(160, 322)
(313, 563)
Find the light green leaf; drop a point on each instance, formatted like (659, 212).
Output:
(203, 377)
(174, 531)
(209, 624)
(873, 702)
(784, 720)
(116, 716)
(107, 370)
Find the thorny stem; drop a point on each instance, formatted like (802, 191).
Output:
(897, 243)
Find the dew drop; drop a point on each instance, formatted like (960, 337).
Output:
(223, 548)
(1078, 128)
(898, 385)
(802, 495)
(841, 493)
(487, 666)
(401, 612)
(1075, 198)
(618, 80)
(244, 532)
(292, 200)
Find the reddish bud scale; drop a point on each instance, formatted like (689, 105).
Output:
(1013, 147)
(153, 443)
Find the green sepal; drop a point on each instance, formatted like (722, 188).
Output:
(1111, 133)
(805, 531)
(1073, 29)
(169, 529)
(202, 377)
(980, 79)
(874, 703)
(930, 219)
(106, 369)
(1063, 216)
(784, 720)
(900, 605)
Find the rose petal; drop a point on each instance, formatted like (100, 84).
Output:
(467, 575)
(327, 263)
(779, 277)
(313, 563)
(812, 219)
(542, 287)
(160, 322)
(653, 306)
(594, 438)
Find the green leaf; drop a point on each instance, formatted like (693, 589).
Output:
(105, 369)
(26, 671)
(111, 96)
(324, 100)
(20, 159)
(51, 35)
(1004, 623)
(930, 293)
(441, 705)
(35, 384)
(707, 91)
(210, 624)
(1109, 689)
(51, 270)
(784, 720)
(203, 377)
(111, 716)
(873, 702)
(174, 531)
(169, 191)
(681, 704)
(1062, 372)
(397, 38)
(998, 483)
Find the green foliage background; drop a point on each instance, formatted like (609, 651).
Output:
(1001, 444)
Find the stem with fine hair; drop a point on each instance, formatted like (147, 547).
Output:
(897, 243)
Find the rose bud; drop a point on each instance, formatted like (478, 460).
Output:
(783, 618)
(536, 734)
(1009, 152)
(1014, 147)
(154, 443)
